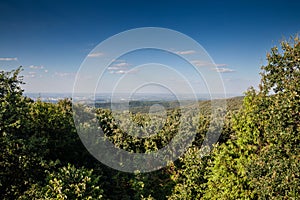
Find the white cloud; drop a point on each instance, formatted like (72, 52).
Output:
(221, 65)
(115, 68)
(123, 71)
(96, 54)
(224, 70)
(120, 72)
(36, 67)
(118, 61)
(221, 68)
(119, 67)
(121, 64)
(201, 63)
(30, 74)
(33, 74)
(8, 59)
(187, 52)
(63, 74)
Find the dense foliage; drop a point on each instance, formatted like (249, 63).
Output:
(257, 156)
(262, 160)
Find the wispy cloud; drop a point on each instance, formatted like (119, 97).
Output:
(224, 70)
(201, 63)
(122, 64)
(118, 60)
(34, 71)
(63, 74)
(96, 54)
(221, 65)
(187, 52)
(131, 71)
(30, 74)
(113, 68)
(8, 59)
(118, 72)
(221, 68)
(36, 67)
(120, 67)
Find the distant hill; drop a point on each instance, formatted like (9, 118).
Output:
(204, 106)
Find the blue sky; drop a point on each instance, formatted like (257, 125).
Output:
(52, 38)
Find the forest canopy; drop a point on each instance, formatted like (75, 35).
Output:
(257, 155)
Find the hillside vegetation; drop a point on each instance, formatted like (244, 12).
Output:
(257, 155)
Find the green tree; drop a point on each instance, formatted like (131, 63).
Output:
(226, 173)
(67, 183)
(275, 171)
(33, 135)
(16, 161)
(189, 175)
(261, 161)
